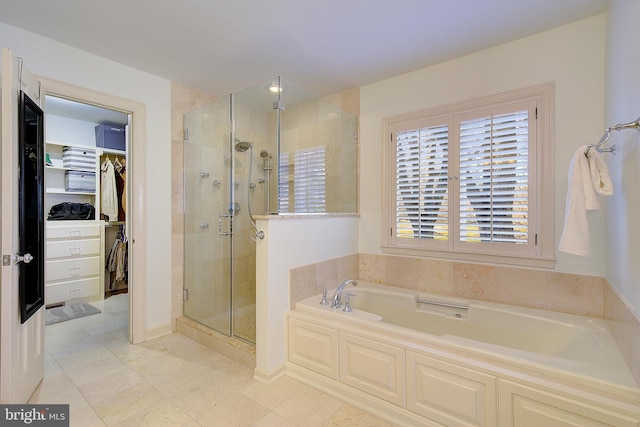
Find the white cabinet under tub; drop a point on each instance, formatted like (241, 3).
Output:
(74, 266)
(415, 385)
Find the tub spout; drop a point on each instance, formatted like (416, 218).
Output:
(338, 293)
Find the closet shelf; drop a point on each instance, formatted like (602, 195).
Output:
(63, 191)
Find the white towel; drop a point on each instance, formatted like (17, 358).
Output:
(588, 175)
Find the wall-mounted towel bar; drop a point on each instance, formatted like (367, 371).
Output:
(607, 134)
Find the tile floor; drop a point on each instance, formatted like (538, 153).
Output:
(170, 381)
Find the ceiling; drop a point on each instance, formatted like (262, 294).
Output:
(223, 46)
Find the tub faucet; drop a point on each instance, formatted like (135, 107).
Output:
(338, 293)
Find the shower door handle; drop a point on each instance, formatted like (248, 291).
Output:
(220, 232)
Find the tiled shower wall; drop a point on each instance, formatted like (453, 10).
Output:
(547, 290)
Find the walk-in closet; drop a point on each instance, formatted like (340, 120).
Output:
(85, 202)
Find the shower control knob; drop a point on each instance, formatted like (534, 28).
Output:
(204, 225)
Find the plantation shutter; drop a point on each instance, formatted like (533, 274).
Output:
(283, 183)
(309, 180)
(421, 208)
(493, 178)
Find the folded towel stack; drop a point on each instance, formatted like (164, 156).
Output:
(588, 176)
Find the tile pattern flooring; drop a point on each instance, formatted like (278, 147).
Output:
(170, 381)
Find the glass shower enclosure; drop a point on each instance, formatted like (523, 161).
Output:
(269, 149)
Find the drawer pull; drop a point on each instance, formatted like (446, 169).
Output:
(75, 233)
(75, 271)
(74, 251)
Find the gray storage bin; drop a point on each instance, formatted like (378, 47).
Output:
(80, 181)
(111, 137)
(78, 158)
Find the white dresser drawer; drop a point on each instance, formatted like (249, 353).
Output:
(72, 269)
(83, 288)
(73, 248)
(75, 230)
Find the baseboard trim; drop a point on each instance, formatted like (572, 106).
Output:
(267, 378)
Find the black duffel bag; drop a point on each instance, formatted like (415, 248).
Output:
(69, 210)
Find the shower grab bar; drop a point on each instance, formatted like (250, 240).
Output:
(607, 134)
(442, 304)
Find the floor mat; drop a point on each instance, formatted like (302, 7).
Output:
(68, 312)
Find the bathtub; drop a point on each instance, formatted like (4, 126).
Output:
(541, 345)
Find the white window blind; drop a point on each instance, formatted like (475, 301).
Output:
(302, 187)
(309, 180)
(473, 180)
(283, 183)
(494, 189)
(421, 183)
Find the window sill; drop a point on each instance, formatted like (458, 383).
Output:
(516, 261)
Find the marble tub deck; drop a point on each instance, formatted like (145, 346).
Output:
(170, 381)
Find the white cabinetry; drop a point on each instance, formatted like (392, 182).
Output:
(450, 394)
(414, 384)
(314, 347)
(523, 406)
(373, 367)
(74, 266)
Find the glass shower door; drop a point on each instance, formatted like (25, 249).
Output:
(207, 184)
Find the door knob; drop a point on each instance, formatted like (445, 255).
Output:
(26, 258)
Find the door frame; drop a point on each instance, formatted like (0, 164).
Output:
(135, 189)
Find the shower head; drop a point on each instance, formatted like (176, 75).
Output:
(264, 153)
(242, 146)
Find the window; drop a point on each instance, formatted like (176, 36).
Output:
(308, 187)
(467, 181)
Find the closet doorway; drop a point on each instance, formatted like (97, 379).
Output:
(94, 233)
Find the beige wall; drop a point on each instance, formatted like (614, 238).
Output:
(572, 56)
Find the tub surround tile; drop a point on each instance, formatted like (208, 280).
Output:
(401, 272)
(348, 267)
(327, 274)
(435, 276)
(561, 292)
(305, 281)
(576, 294)
(302, 282)
(372, 267)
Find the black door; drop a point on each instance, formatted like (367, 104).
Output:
(31, 207)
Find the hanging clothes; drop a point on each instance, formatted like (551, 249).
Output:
(109, 205)
(117, 260)
(120, 175)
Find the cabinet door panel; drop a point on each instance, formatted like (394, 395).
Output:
(522, 406)
(450, 394)
(372, 367)
(313, 347)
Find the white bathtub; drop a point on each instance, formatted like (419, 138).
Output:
(421, 359)
(575, 344)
